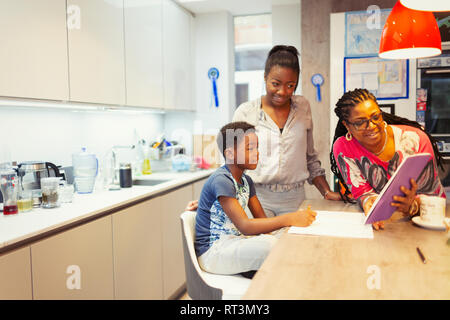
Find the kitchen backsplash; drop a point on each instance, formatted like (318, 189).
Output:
(53, 134)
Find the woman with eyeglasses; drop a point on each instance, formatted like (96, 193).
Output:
(369, 145)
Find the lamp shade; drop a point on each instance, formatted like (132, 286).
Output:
(409, 34)
(427, 5)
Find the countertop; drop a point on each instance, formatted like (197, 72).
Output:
(385, 267)
(21, 228)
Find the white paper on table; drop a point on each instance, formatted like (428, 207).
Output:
(337, 224)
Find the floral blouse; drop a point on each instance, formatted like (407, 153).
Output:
(364, 173)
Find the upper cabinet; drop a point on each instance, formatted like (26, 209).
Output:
(96, 51)
(177, 57)
(33, 54)
(116, 52)
(143, 53)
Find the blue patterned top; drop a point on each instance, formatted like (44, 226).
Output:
(212, 222)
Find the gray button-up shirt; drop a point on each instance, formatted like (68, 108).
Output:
(286, 159)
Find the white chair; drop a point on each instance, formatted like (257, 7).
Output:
(203, 285)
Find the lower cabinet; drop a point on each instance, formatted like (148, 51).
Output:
(134, 253)
(173, 204)
(137, 245)
(75, 264)
(15, 275)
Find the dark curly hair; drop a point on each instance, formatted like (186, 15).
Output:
(343, 109)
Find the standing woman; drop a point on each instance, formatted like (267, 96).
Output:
(284, 127)
(368, 147)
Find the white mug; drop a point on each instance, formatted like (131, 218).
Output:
(432, 209)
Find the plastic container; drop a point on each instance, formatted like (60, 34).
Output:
(181, 162)
(85, 169)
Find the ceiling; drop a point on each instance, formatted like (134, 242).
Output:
(235, 7)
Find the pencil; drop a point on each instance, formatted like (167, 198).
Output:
(422, 257)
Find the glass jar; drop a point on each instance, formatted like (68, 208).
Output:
(50, 192)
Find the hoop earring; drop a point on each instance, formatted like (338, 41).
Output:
(385, 124)
(348, 136)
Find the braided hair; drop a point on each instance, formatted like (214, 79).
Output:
(343, 109)
(283, 56)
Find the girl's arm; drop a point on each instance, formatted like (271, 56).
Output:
(256, 207)
(247, 226)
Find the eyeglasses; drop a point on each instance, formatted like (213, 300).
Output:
(364, 124)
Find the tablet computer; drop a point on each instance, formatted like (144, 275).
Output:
(410, 168)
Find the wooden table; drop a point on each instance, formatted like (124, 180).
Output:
(385, 267)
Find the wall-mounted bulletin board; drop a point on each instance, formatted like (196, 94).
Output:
(386, 79)
(363, 31)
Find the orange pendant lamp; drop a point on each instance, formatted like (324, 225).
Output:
(410, 34)
(428, 5)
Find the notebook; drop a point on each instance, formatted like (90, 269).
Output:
(337, 224)
(410, 168)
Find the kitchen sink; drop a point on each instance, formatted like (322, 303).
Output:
(148, 182)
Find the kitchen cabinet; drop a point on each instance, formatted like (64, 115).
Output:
(143, 53)
(137, 243)
(15, 275)
(133, 253)
(75, 264)
(33, 57)
(173, 204)
(197, 189)
(177, 70)
(96, 52)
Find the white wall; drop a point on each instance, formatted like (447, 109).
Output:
(286, 25)
(286, 29)
(403, 107)
(214, 38)
(43, 134)
(213, 43)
